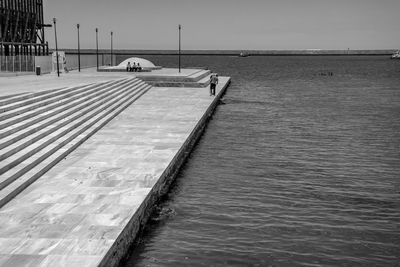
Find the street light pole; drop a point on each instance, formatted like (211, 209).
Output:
(111, 52)
(55, 34)
(79, 49)
(179, 48)
(97, 48)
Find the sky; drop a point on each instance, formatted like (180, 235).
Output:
(226, 24)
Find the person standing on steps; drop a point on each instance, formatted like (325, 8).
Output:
(213, 84)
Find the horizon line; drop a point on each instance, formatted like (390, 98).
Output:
(233, 52)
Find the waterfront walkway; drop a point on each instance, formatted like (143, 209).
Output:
(31, 83)
(87, 208)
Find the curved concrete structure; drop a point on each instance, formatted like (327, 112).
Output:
(144, 63)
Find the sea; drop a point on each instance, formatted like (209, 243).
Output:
(299, 166)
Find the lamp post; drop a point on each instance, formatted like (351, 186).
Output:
(179, 48)
(79, 49)
(97, 48)
(111, 52)
(55, 34)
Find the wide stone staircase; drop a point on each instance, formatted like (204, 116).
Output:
(37, 130)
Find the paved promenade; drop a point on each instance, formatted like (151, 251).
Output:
(73, 214)
(32, 83)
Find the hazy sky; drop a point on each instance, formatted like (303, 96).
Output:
(227, 24)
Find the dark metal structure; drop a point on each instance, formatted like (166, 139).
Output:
(179, 47)
(97, 48)
(22, 28)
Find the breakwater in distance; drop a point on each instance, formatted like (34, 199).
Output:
(311, 52)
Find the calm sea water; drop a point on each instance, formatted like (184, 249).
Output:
(297, 169)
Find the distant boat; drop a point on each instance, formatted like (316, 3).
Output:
(396, 55)
(242, 54)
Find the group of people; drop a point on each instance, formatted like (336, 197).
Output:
(133, 67)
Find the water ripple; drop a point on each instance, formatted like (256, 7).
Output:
(297, 169)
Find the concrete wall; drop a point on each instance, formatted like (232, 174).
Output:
(87, 61)
(44, 62)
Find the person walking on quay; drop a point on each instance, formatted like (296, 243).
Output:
(128, 67)
(213, 83)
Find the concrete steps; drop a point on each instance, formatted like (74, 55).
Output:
(38, 130)
(194, 77)
(200, 75)
(25, 99)
(64, 116)
(25, 105)
(12, 95)
(24, 121)
(203, 82)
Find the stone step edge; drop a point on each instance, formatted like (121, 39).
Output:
(61, 117)
(180, 79)
(32, 98)
(35, 160)
(43, 103)
(22, 123)
(7, 195)
(77, 120)
(26, 95)
(5, 97)
(204, 82)
(186, 85)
